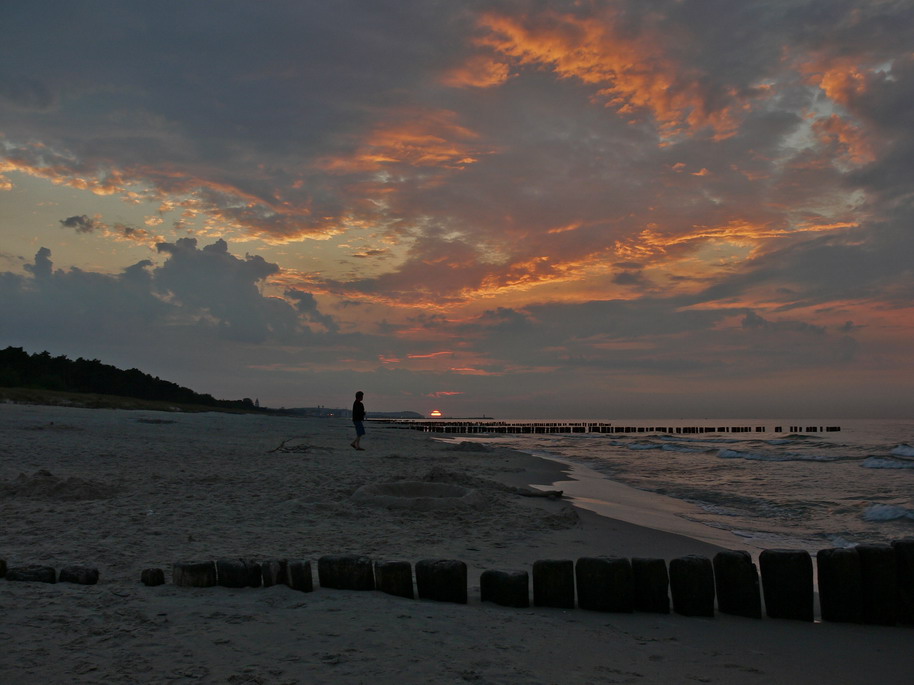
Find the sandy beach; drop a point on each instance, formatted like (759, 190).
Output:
(124, 491)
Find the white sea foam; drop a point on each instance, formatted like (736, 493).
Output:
(887, 512)
(903, 450)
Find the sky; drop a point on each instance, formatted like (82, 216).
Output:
(517, 208)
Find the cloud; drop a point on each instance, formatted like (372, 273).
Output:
(82, 224)
(580, 193)
(26, 93)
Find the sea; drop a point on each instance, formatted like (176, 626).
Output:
(786, 489)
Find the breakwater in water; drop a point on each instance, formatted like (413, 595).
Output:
(471, 426)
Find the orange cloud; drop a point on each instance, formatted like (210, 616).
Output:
(224, 205)
(737, 232)
(841, 78)
(430, 356)
(850, 139)
(631, 74)
(480, 71)
(416, 139)
(109, 183)
(470, 371)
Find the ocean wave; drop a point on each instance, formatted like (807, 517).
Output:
(788, 456)
(713, 441)
(887, 463)
(674, 447)
(644, 446)
(903, 450)
(887, 512)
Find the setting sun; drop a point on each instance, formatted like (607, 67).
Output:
(435, 414)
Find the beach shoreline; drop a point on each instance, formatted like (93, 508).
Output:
(132, 490)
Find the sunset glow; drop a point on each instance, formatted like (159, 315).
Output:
(512, 208)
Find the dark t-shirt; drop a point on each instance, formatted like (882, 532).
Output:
(358, 411)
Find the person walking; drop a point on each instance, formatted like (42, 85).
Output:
(358, 417)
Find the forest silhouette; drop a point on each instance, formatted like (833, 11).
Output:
(41, 371)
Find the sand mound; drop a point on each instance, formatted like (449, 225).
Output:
(418, 496)
(44, 484)
(467, 446)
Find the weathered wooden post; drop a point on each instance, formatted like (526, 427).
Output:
(443, 580)
(879, 574)
(904, 560)
(232, 573)
(82, 575)
(32, 574)
(651, 583)
(273, 572)
(787, 583)
(255, 573)
(605, 584)
(394, 578)
(506, 588)
(840, 585)
(152, 577)
(346, 572)
(553, 583)
(194, 573)
(737, 584)
(692, 585)
(298, 575)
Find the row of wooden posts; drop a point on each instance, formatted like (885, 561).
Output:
(470, 426)
(865, 584)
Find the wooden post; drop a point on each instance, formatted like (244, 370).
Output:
(505, 588)
(605, 584)
(346, 572)
(394, 578)
(904, 566)
(840, 585)
(880, 584)
(787, 583)
(232, 573)
(152, 577)
(651, 583)
(273, 572)
(553, 583)
(443, 580)
(82, 575)
(32, 574)
(194, 573)
(298, 575)
(737, 584)
(692, 585)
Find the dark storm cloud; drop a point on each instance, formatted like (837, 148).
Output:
(205, 292)
(82, 224)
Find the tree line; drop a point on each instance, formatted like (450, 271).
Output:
(19, 369)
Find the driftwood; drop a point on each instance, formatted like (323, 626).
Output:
(293, 448)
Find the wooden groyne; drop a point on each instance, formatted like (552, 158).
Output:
(473, 426)
(868, 584)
